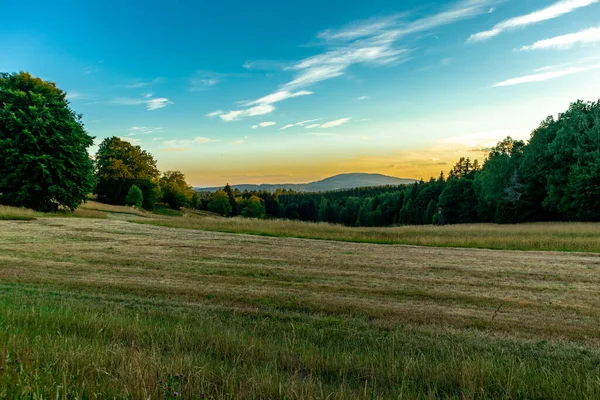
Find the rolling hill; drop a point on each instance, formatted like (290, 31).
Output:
(336, 182)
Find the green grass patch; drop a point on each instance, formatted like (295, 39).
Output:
(86, 347)
(166, 211)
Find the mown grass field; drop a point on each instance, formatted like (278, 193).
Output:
(108, 308)
(552, 236)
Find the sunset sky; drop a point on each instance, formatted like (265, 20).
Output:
(295, 91)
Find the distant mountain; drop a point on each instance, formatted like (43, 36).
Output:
(337, 182)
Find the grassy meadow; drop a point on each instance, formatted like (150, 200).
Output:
(108, 308)
(552, 236)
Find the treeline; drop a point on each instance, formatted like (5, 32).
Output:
(44, 165)
(126, 174)
(554, 176)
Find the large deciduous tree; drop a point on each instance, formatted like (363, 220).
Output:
(253, 207)
(176, 193)
(119, 164)
(44, 162)
(219, 203)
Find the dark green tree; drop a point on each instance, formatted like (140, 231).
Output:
(458, 201)
(135, 197)
(491, 182)
(252, 208)
(44, 162)
(219, 203)
(430, 212)
(231, 196)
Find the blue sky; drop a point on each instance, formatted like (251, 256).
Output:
(236, 91)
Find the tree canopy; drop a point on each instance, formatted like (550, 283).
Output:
(176, 193)
(44, 162)
(219, 203)
(119, 165)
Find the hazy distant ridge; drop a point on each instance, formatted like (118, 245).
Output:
(342, 181)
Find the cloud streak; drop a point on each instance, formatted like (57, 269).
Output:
(151, 104)
(544, 76)
(261, 106)
(372, 42)
(140, 84)
(334, 123)
(554, 11)
(203, 80)
(155, 104)
(301, 123)
(188, 142)
(587, 36)
(142, 130)
(264, 124)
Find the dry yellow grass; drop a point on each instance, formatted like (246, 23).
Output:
(533, 236)
(109, 308)
(195, 312)
(92, 205)
(14, 213)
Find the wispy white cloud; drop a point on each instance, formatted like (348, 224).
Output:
(151, 104)
(371, 42)
(301, 123)
(334, 123)
(203, 80)
(142, 130)
(264, 65)
(188, 142)
(261, 106)
(140, 83)
(237, 142)
(277, 97)
(249, 112)
(544, 76)
(215, 113)
(362, 98)
(73, 95)
(155, 104)
(554, 11)
(264, 124)
(312, 126)
(587, 36)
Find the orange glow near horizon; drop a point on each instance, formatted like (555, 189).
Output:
(415, 164)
